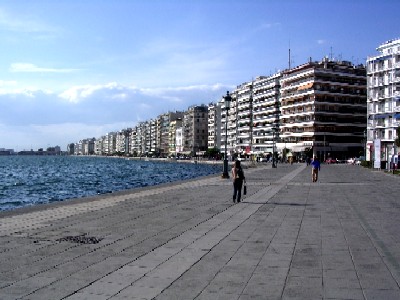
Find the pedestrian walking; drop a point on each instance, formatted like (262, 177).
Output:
(238, 177)
(316, 167)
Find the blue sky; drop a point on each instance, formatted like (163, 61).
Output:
(73, 69)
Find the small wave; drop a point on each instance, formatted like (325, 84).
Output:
(11, 205)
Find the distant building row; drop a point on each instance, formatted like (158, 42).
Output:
(169, 134)
(318, 106)
(314, 108)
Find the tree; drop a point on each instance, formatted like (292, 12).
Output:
(212, 152)
(397, 140)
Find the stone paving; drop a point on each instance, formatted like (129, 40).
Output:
(290, 238)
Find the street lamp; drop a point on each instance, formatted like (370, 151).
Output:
(273, 147)
(227, 100)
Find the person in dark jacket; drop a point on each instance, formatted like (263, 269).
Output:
(238, 177)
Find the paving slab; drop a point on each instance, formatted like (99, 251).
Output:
(289, 238)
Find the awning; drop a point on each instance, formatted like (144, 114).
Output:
(380, 116)
(185, 152)
(307, 86)
(397, 116)
(299, 148)
(382, 58)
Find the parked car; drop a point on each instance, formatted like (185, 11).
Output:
(351, 161)
(331, 161)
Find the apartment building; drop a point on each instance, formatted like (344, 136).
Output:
(152, 142)
(179, 140)
(88, 146)
(323, 108)
(70, 148)
(240, 117)
(138, 139)
(195, 130)
(253, 117)
(98, 145)
(172, 136)
(383, 79)
(123, 141)
(265, 104)
(163, 131)
(214, 123)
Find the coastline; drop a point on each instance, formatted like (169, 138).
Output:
(49, 179)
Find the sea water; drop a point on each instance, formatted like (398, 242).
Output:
(35, 180)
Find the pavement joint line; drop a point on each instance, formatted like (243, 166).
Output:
(198, 225)
(377, 242)
(335, 256)
(161, 260)
(36, 220)
(40, 219)
(328, 183)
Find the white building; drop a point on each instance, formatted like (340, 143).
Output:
(179, 140)
(383, 72)
(252, 116)
(214, 123)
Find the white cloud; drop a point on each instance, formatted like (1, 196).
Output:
(38, 118)
(31, 68)
(25, 24)
(321, 42)
(78, 93)
(268, 26)
(7, 83)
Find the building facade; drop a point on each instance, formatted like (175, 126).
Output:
(214, 123)
(164, 132)
(253, 117)
(265, 130)
(195, 130)
(174, 126)
(323, 109)
(383, 71)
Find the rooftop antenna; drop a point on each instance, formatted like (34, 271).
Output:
(331, 55)
(289, 56)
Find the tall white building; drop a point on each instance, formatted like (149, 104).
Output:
(383, 81)
(266, 113)
(214, 123)
(252, 117)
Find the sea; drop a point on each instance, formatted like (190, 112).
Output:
(35, 180)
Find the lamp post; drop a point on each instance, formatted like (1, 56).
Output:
(227, 100)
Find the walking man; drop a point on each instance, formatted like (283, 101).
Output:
(316, 166)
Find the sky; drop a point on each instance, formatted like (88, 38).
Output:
(76, 69)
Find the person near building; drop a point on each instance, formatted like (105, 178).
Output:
(315, 168)
(238, 178)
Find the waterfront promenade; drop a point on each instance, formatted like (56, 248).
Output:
(338, 238)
